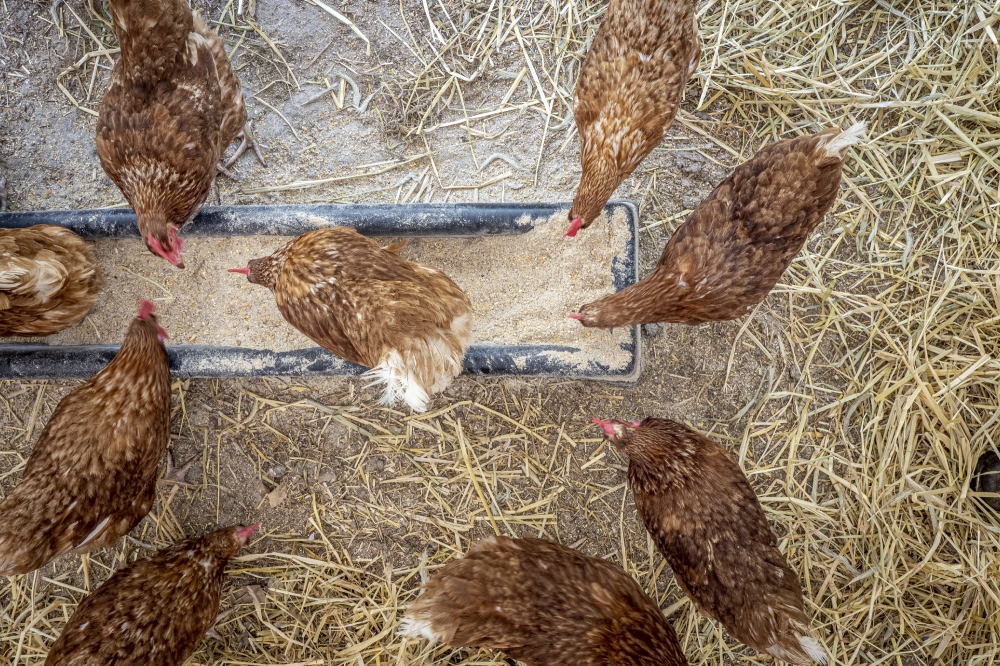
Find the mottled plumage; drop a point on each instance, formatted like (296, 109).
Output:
(408, 322)
(49, 280)
(629, 89)
(172, 106)
(704, 517)
(736, 244)
(91, 476)
(545, 605)
(153, 612)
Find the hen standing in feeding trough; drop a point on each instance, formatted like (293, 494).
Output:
(172, 106)
(49, 280)
(155, 611)
(409, 323)
(543, 604)
(734, 247)
(91, 476)
(628, 92)
(704, 517)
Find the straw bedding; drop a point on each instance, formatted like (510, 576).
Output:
(872, 388)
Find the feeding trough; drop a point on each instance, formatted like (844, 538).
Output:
(47, 358)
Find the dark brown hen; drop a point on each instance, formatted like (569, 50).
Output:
(155, 611)
(408, 322)
(704, 517)
(736, 244)
(628, 93)
(543, 604)
(172, 106)
(91, 476)
(49, 280)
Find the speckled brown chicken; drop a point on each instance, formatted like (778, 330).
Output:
(155, 611)
(91, 476)
(545, 605)
(409, 323)
(49, 280)
(704, 517)
(628, 93)
(172, 106)
(734, 247)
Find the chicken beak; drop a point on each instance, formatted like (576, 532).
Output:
(575, 315)
(242, 271)
(574, 227)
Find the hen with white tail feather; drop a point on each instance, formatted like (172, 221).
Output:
(735, 246)
(545, 605)
(703, 515)
(409, 323)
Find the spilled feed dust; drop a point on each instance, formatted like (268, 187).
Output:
(522, 288)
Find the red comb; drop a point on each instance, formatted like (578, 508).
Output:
(244, 271)
(574, 227)
(608, 426)
(146, 308)
(246, 532)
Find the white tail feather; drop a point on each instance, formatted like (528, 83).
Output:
(839, 143)
(813, 649)
(400, 382)
(413, 628)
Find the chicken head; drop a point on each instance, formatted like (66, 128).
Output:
(164, 241)
(146, 310)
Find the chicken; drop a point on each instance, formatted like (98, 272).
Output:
(628, 93)
(736, 244)
(704, 517)
(92, 474)
(49, 280)
(545, 605)
(155, 611)
(409, 323)
(172, 106)
(986, 479)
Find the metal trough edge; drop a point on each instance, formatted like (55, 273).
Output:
(41, 361)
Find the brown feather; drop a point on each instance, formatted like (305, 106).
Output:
(49, 280)
(91, 476)
(734, 247)
(628, 93)
(172, 105)
(153, 612)
(545, 605)
(704, 517)
(363, 302)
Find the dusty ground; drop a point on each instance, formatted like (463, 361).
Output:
(351, 497)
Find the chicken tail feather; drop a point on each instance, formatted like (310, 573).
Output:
(802, 649)
(812, 648)
(419, 627)
(400, 380)
(838, 144)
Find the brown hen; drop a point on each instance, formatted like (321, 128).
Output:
(736, 244)
(704, 517)
(545, 605)
(409, 323)
(629, 89)
(155, 611)
(92, 474)
(49, 280)
(172, 106)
